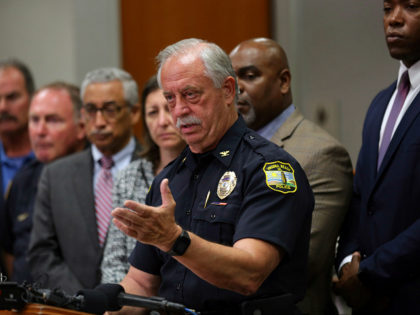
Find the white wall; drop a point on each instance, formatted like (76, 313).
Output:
(339, 60)
(60, 39)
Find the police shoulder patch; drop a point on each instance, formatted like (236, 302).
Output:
(280, 176)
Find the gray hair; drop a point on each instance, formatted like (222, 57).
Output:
(102, 75)
(24, 70)
(216, 62)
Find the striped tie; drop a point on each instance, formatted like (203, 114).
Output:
(103, 197)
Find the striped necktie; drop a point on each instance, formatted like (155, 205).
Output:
(103, 197)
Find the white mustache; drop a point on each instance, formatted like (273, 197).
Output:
(187, 120)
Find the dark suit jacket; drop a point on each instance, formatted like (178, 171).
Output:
(384, 221)
(4, 236)
(64, 251)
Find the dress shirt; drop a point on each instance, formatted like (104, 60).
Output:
(414, 75)
(270, 129)
(9, 166)
(121, 160)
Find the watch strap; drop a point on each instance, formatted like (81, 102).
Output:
(181, 244)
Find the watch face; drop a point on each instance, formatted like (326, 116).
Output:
(181, 244)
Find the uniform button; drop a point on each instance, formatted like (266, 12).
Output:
(188, 212)
(370, 212)
(212, 216)
(251, 137)
(196, 176)
(178, 286)
(364, 256)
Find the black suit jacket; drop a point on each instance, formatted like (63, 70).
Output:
(64, 249)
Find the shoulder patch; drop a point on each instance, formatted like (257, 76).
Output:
(280, 176)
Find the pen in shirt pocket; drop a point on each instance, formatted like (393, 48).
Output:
(207, 199)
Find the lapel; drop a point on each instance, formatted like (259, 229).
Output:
(410, 115)
(137, 150)
(372, 131)
(287, 129)
(82, 177)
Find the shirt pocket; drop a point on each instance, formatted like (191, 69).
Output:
(216, 223)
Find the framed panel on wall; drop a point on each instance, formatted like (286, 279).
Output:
(149, 26)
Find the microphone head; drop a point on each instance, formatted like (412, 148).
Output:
(93, 301)
(111, 291)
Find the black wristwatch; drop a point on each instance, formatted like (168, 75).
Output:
(181, 244)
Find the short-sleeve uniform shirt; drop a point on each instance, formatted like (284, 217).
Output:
(247, 187)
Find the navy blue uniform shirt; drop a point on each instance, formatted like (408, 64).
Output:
(271, 201)
(19, 210)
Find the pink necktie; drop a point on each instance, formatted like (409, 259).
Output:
(103, 197)
(403, 89)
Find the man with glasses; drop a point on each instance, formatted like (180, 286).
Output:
(73, 205)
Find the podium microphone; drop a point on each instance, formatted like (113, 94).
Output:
(117, 298)
(92, 301)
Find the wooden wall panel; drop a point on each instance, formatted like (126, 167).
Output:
(150, 25)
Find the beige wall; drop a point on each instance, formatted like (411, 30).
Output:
(60, 39)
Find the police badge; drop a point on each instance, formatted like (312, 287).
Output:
(227, 184)
(280, 177)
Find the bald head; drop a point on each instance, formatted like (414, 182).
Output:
(265, 48)
(264, 80)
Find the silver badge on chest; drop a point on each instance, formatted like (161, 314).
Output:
(227, 184)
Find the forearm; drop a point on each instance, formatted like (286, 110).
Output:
(241, 268)
(140, 283)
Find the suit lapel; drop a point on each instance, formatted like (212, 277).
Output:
(82, 177)
(410, 115)
(83, 183)
(373, 129)
(287, 128)
(136, 152)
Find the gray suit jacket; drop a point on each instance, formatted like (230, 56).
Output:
(64, 250)
(328, 168)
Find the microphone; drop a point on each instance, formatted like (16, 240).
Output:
(16, 296)
(92, 301)
(117, 298)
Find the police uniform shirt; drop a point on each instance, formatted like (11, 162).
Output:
(247, 187)
(19, 208)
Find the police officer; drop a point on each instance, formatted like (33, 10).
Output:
(228, 221)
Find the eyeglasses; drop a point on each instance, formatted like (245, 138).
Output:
(109, 111)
